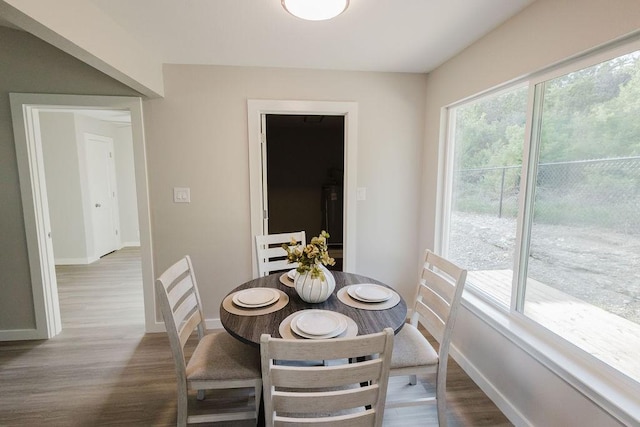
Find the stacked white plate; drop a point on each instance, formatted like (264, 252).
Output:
(318, 324)
(369, 292)
(256, 297)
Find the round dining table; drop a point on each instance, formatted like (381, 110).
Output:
(248, 329)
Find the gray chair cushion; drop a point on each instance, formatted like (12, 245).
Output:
(219, 356)
(411, 348)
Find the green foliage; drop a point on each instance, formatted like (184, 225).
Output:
(589, 114)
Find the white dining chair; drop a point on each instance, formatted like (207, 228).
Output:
(270, 254)
(340, 393)
(219, 361)
(439, 292)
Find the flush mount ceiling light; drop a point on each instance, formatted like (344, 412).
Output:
(315, 10)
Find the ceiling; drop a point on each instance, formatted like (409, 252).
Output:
(372, 35)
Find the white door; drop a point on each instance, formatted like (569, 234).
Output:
(102, 194)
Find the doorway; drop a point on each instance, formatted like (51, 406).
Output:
(257, 110)
(26, 109)
(305, 177)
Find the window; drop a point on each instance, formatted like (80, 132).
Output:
(487, 135)
(574, 200)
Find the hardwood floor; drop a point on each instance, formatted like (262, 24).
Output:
(103, 370)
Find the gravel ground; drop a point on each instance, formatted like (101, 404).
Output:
(599, 266)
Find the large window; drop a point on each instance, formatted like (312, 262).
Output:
(488, 135)
(571, 187)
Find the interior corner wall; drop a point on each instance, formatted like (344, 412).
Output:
(543, 34)
(30, 66)
(199, 140)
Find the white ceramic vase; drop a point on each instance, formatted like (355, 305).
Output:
(315, 290)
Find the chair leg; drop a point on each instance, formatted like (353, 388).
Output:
(413, 380)
(258, 401)
(441, 400)
(182, 407)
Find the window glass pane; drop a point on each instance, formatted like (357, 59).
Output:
(583, 279)
(487, 140)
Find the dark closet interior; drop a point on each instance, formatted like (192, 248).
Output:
(305, 176)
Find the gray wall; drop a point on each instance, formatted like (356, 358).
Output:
(30, 66)
(197, 138)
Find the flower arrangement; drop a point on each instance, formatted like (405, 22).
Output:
(310, 257)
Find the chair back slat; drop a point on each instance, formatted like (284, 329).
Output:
(332, 401)
(179, 290)
(180, 306)
(435, 302)
(298, 394)
(432, 323)
(438, 283)
(274, 252)
(340, 348)
(366, 419)
(439, 293)
(184, 310)
(269, 246)
(188, 326)
(326, 376)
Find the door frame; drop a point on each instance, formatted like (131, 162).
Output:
(256, 109)
(24, 111)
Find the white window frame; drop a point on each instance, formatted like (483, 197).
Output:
(604, 385)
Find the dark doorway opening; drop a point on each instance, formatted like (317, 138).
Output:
(305, 177)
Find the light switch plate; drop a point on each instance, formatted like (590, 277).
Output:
(181, 195)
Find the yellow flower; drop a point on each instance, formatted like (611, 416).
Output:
(310, 257)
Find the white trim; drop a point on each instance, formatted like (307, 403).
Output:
(255, 110)
(76, 261)
(130, 244)
(23, 108)
(501, 401)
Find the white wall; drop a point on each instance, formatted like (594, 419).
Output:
(197, 138)
(548, 31)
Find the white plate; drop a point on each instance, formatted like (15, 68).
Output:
(318, 324)
(291, 274)
(256, 297)
(370, 293)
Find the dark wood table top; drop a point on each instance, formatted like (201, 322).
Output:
(249, 328)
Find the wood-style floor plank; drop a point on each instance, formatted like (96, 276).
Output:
(103, 370)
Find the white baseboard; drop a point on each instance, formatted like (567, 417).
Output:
(501, 401)
(75, 261)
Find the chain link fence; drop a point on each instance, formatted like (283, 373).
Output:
(602, 193)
